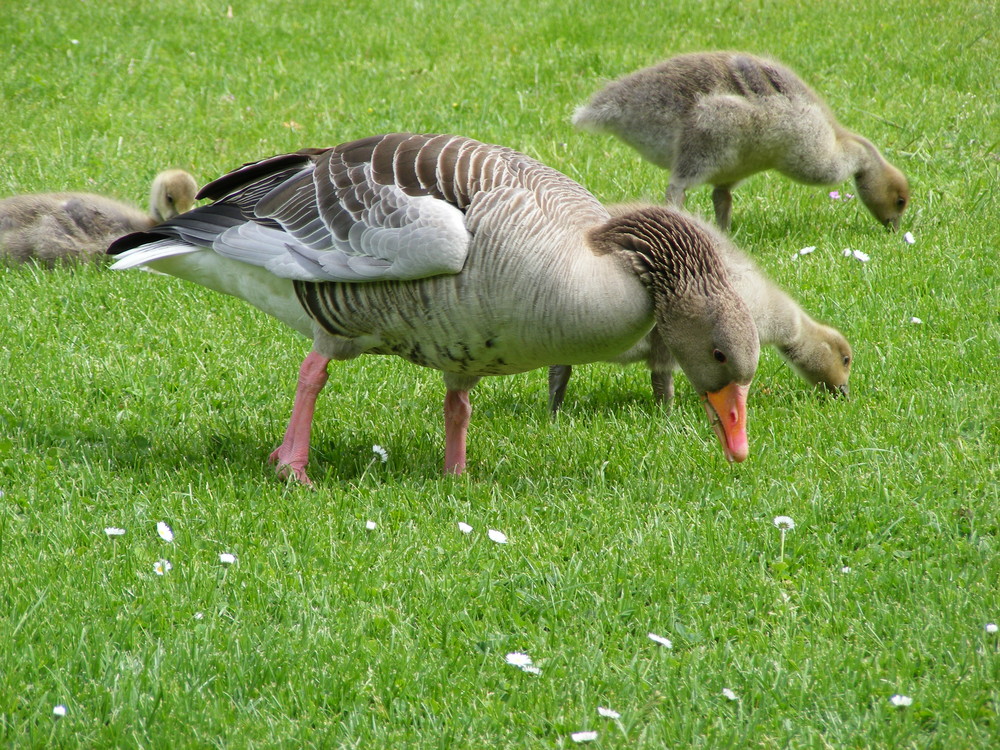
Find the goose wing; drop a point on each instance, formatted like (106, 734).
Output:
(391, 207)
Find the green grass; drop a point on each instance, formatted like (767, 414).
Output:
(127, 398)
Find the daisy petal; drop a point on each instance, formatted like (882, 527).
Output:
(497, 536)
(665, 642)
(464, 527)
(165, 532)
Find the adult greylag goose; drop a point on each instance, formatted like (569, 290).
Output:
(53, 227)
(465, 257)
(719, 117)
(818, 353)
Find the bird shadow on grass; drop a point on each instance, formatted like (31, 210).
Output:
(128, 450)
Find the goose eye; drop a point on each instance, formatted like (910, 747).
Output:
(900, 202)
(847, 361)
(719, 356)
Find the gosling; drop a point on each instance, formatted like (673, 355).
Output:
(818, 353)
(719, 117)
(51, 228)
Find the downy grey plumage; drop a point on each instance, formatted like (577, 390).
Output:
(50, 228)
(719, 117)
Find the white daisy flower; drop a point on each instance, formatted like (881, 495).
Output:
(113, 531)
(497, 536)
(608, 713)
(226, 558)
(991, 627)
(916, 321)
(464, 527)
(665, 642)
(522, 662)
(807, 250)
(583, 736)
(784, 523)
(834, 195)
(370, 525)
(165, 532)
(381, 452)
(161, 566)
(729, 694)
(901, 701)
(59, 711)
(199, 615)
(908, 238)
(846, 569)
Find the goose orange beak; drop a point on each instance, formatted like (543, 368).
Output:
(727, 410)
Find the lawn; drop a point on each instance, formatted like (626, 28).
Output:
(360, 614)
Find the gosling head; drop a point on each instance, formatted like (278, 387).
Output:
(173, 193)
(885, 192)
(826, 360)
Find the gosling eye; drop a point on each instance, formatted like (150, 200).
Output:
(900, 202)
(170, 199)
(847, 361)
(719, 356)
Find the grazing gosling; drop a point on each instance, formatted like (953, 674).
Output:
(719, 117)
(818, 353)
(65, 227)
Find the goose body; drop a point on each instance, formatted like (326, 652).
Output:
(54, 227)
(819, 353)
(719, 117)
(468, 258)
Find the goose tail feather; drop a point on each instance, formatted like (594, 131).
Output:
(149, 252)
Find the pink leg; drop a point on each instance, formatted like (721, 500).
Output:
(292, 455)
(457, 411)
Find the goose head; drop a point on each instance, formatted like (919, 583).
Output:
(885, 192)
(699, 315)
(173, 193)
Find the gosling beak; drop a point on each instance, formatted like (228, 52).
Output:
(727, 410)
(837, 391)
(892, 224)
